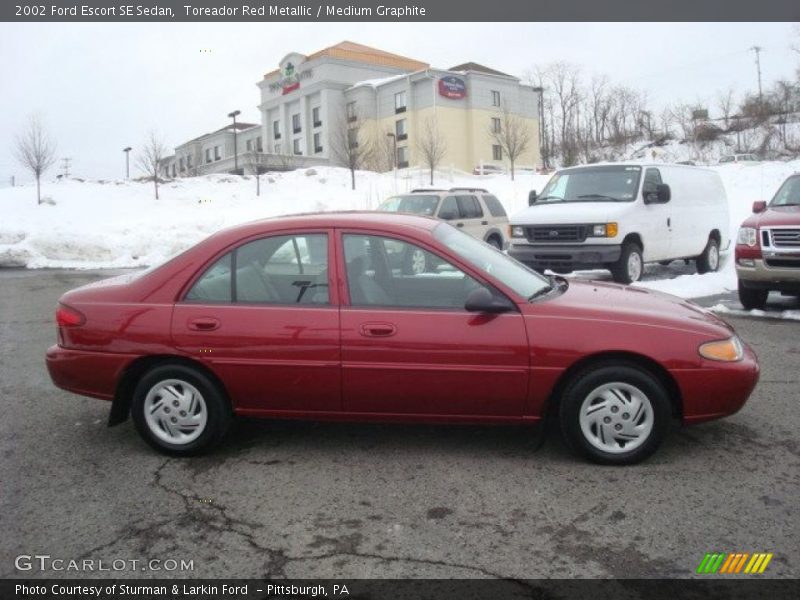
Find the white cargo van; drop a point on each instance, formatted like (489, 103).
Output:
(620, 216)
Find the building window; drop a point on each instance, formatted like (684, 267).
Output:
(249, 145)
(400, 130)
(497, 152)
(400, 102)
(315, 116)
(259, 144)
(173, 170)
(276, 130)
(495, 125)
(351, 112)
(180, 161)
(208, 155)
(317, 143)
(296, 123)
(495, 98)
(277, 148)
(217, 153)
(402, 157)
(189, 161)
(296, 146)
(352, 138)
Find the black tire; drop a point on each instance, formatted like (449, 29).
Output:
(620, 270)
(218, 410)
(752, 298)
(708, 261)
(495, 241)
(589, 380)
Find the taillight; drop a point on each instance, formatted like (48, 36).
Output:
(66, 316)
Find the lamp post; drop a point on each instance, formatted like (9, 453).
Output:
(233, 116)
(127, 152)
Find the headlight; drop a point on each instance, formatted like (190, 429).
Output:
(517, 231)
(729, 350)
(747, 236)
(605, 230)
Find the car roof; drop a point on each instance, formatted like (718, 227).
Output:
(386, 221)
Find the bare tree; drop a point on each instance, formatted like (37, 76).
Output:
(150, 158)
(432, 145)
(725, 102)
(252, 161)
(35, 151)
(514, 136)
(350, 148)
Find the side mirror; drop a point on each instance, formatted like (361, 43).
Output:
(532, 195)
(759, 206)
(483, 301)
(448, 215)
(663, 192)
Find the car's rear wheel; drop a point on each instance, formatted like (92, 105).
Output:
(708, 261)
(615, 413)
(630, 266)
(178, 410)
(752, 298)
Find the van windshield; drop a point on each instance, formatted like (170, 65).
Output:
(416, 204)
(616, 183)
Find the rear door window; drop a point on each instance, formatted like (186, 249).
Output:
(469, 208)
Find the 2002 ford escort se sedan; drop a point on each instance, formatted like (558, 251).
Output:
(305, 317)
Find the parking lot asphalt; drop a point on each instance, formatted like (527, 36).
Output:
(303, 499)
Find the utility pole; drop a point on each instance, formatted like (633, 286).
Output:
(127, 152)
(757, 50)
(65, 166)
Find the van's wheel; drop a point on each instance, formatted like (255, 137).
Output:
(708, 261)
(614, 413)
(752, 298)
(178, 410)
(630, 266)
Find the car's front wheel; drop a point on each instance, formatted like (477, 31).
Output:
(178, 410)
(615, 413)
(752, 297)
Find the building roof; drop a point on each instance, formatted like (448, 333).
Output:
(473, 66)
(239, 127)
(364, 54)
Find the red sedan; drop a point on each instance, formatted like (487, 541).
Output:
(308, 317)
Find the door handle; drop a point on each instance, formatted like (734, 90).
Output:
(378, 329)
(459, 224)
(204, 324)
(669, 222)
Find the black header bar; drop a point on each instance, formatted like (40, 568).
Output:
(265, 11)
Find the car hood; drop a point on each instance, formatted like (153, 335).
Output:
(775, 215)
(570, 213)
(631, 305)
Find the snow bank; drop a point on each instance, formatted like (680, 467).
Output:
(116, 224)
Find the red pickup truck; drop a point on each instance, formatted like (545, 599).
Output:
(768, 247)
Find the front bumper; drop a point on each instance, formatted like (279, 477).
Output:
(94, 374)
(563, 256)
(768, 276)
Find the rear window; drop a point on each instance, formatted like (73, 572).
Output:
(493, 204)
(417, 204)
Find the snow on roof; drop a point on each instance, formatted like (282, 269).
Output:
(374, 83)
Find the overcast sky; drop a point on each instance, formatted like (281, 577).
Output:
(100, 87)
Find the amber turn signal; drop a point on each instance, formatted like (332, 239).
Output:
(729, 350)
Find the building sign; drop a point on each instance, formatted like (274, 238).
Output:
(452, 87)
(289, 79)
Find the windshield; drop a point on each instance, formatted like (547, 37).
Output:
(414, 204)
(489, 260)
(788, 194)
(617, 183)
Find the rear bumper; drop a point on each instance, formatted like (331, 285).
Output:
(768, 277)
(718, 391)
(94, 374)
(574, 256)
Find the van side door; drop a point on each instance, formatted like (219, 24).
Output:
(656, 224)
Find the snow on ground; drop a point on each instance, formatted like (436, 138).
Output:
(792, 315)
(117, 224)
